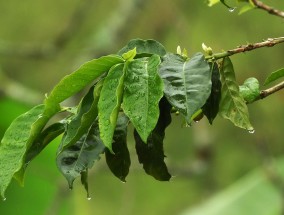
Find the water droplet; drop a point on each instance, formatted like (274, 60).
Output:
(232, 9)
(251, 131)
(89, 198)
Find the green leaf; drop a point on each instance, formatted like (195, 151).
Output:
(151, 155)
(211, 107)
(76, 159)
(79, 79)
(16, 141)
(143, 91)
(187, 82)
(144, 47)
(250, 90)
(212, 2)
(130, 55)
(86, 115)
(232, 106)
(119, 162)
(246, 8)
(109, 103)
(274, 76)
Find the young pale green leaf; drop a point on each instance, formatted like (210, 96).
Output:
(212, 2)
(143, 91)
(250, 90)
(144, 47)
(109, 103)
(187, 82)
(274, 76)
(232, 106)
(85, 117)
(211, 107)
(130, 55)
(79, 79)
(151, 155)
(17, 139)
(119, 162)
(246, 8)
(79, 157)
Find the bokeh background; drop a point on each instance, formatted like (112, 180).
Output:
(217, 169)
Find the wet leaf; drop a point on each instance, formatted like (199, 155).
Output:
(250, 90)
(151, 154)
(274, 76)
(187, 82)
(143, 91)
(119, 162)
(109, 103)
(232, 106)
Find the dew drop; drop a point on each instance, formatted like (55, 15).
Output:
(232, 9)
(251, 131)
(89, 198)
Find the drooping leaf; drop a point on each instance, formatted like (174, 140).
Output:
(77, 80)
(250, 90)
(76, 159)
(119, 162)
(151, 155)
(109, 103)
(45, 137)
(143, 91)
(85, 117)
(274, 76)
(232, 105)
(16, 141)
(187, 82)
(144, 47)
(211, 107)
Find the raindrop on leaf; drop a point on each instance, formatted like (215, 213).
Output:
(232, 9)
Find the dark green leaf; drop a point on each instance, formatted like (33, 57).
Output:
(187, 82)
(109, 103)
(211, 107)
(143, 91)
(232, 106)
(144, 48)
(151, 155)
(250, 90)
(16, 141)
(274, 76)
(79, 157)
(119, 162)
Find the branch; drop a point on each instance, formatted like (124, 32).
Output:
(270, 10)
(245, 48)
(271, 90)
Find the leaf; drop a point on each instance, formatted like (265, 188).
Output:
(211, 107)
(76, 159)
(130, 55)
(246, 8)
(250, 90)
(85, 117)
(274, 76)
(143, 91)
(212, 2)
(79, 79)
(109, 103)
(151, 155)
(16, 141)
(119, 162)
(187, 82)
(144, 48)
(232, 106)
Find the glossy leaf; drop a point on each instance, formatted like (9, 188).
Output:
(79, 79)
(109, 103)
(119, 161)
(16, 141)
(211, 107)
(144, 47)
(76, 159)
(143, 91)
(85, 117)
(151, 155)
(187, 82)
(274, 76)
(232, 106)
(250, 90)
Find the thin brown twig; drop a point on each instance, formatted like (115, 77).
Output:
(260, 5)
(271, 90)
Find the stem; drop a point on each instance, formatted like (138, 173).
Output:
(269, 91)
(270, 10)
(245, 48)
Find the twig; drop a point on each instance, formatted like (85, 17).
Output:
(271, 90)
(245, 48)
(267, 8)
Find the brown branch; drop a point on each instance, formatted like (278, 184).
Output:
(271, 90)
(269, 9)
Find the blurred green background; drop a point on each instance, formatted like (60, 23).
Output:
(213, 166)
